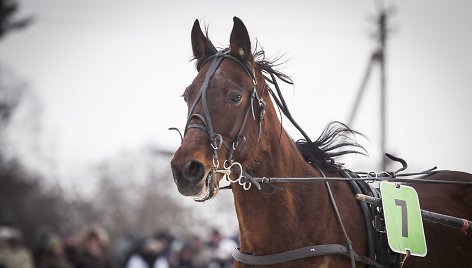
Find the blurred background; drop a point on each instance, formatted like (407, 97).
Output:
(89, 88)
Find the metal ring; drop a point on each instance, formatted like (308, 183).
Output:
(247, 185)
(372, 174)
(234, 145)
(217, 164)
(216, 142)
(240, 172)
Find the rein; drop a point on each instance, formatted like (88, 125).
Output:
(368, 177)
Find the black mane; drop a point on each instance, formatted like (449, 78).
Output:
(269, 65)
(336, 140)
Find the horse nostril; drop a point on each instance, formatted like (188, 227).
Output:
(193, 171)
(176, 172)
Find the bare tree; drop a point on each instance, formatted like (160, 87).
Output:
(135, 192)
(8, 20)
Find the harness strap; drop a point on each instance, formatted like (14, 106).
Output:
(366, 212)
(341, 224)
(305, 252)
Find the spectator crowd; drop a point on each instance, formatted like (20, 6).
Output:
(91, 248)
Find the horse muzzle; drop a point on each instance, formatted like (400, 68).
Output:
(193, 177)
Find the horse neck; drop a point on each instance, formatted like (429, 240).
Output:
(281, 158)
(276, 154)
(261, 215)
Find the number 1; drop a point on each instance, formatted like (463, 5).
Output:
(402, 204)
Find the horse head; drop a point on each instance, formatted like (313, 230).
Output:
(226, 105)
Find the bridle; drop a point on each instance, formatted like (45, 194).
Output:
(216, 139)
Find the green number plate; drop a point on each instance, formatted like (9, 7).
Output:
(403, 219)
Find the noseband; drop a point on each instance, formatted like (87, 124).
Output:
(216, 140)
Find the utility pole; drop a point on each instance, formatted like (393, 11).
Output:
(377, 57)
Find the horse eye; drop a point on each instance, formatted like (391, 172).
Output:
(185, 98)
(235, 98)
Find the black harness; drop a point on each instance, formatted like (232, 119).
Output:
(301, 253)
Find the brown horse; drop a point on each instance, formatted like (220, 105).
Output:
(233, 125)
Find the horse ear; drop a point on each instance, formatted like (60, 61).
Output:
(239, 42)
(201, 45)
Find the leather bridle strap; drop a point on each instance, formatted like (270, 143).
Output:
(301, 253)
(206, 119)
(216, 140)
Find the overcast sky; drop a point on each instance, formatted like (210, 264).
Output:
(109, 73)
